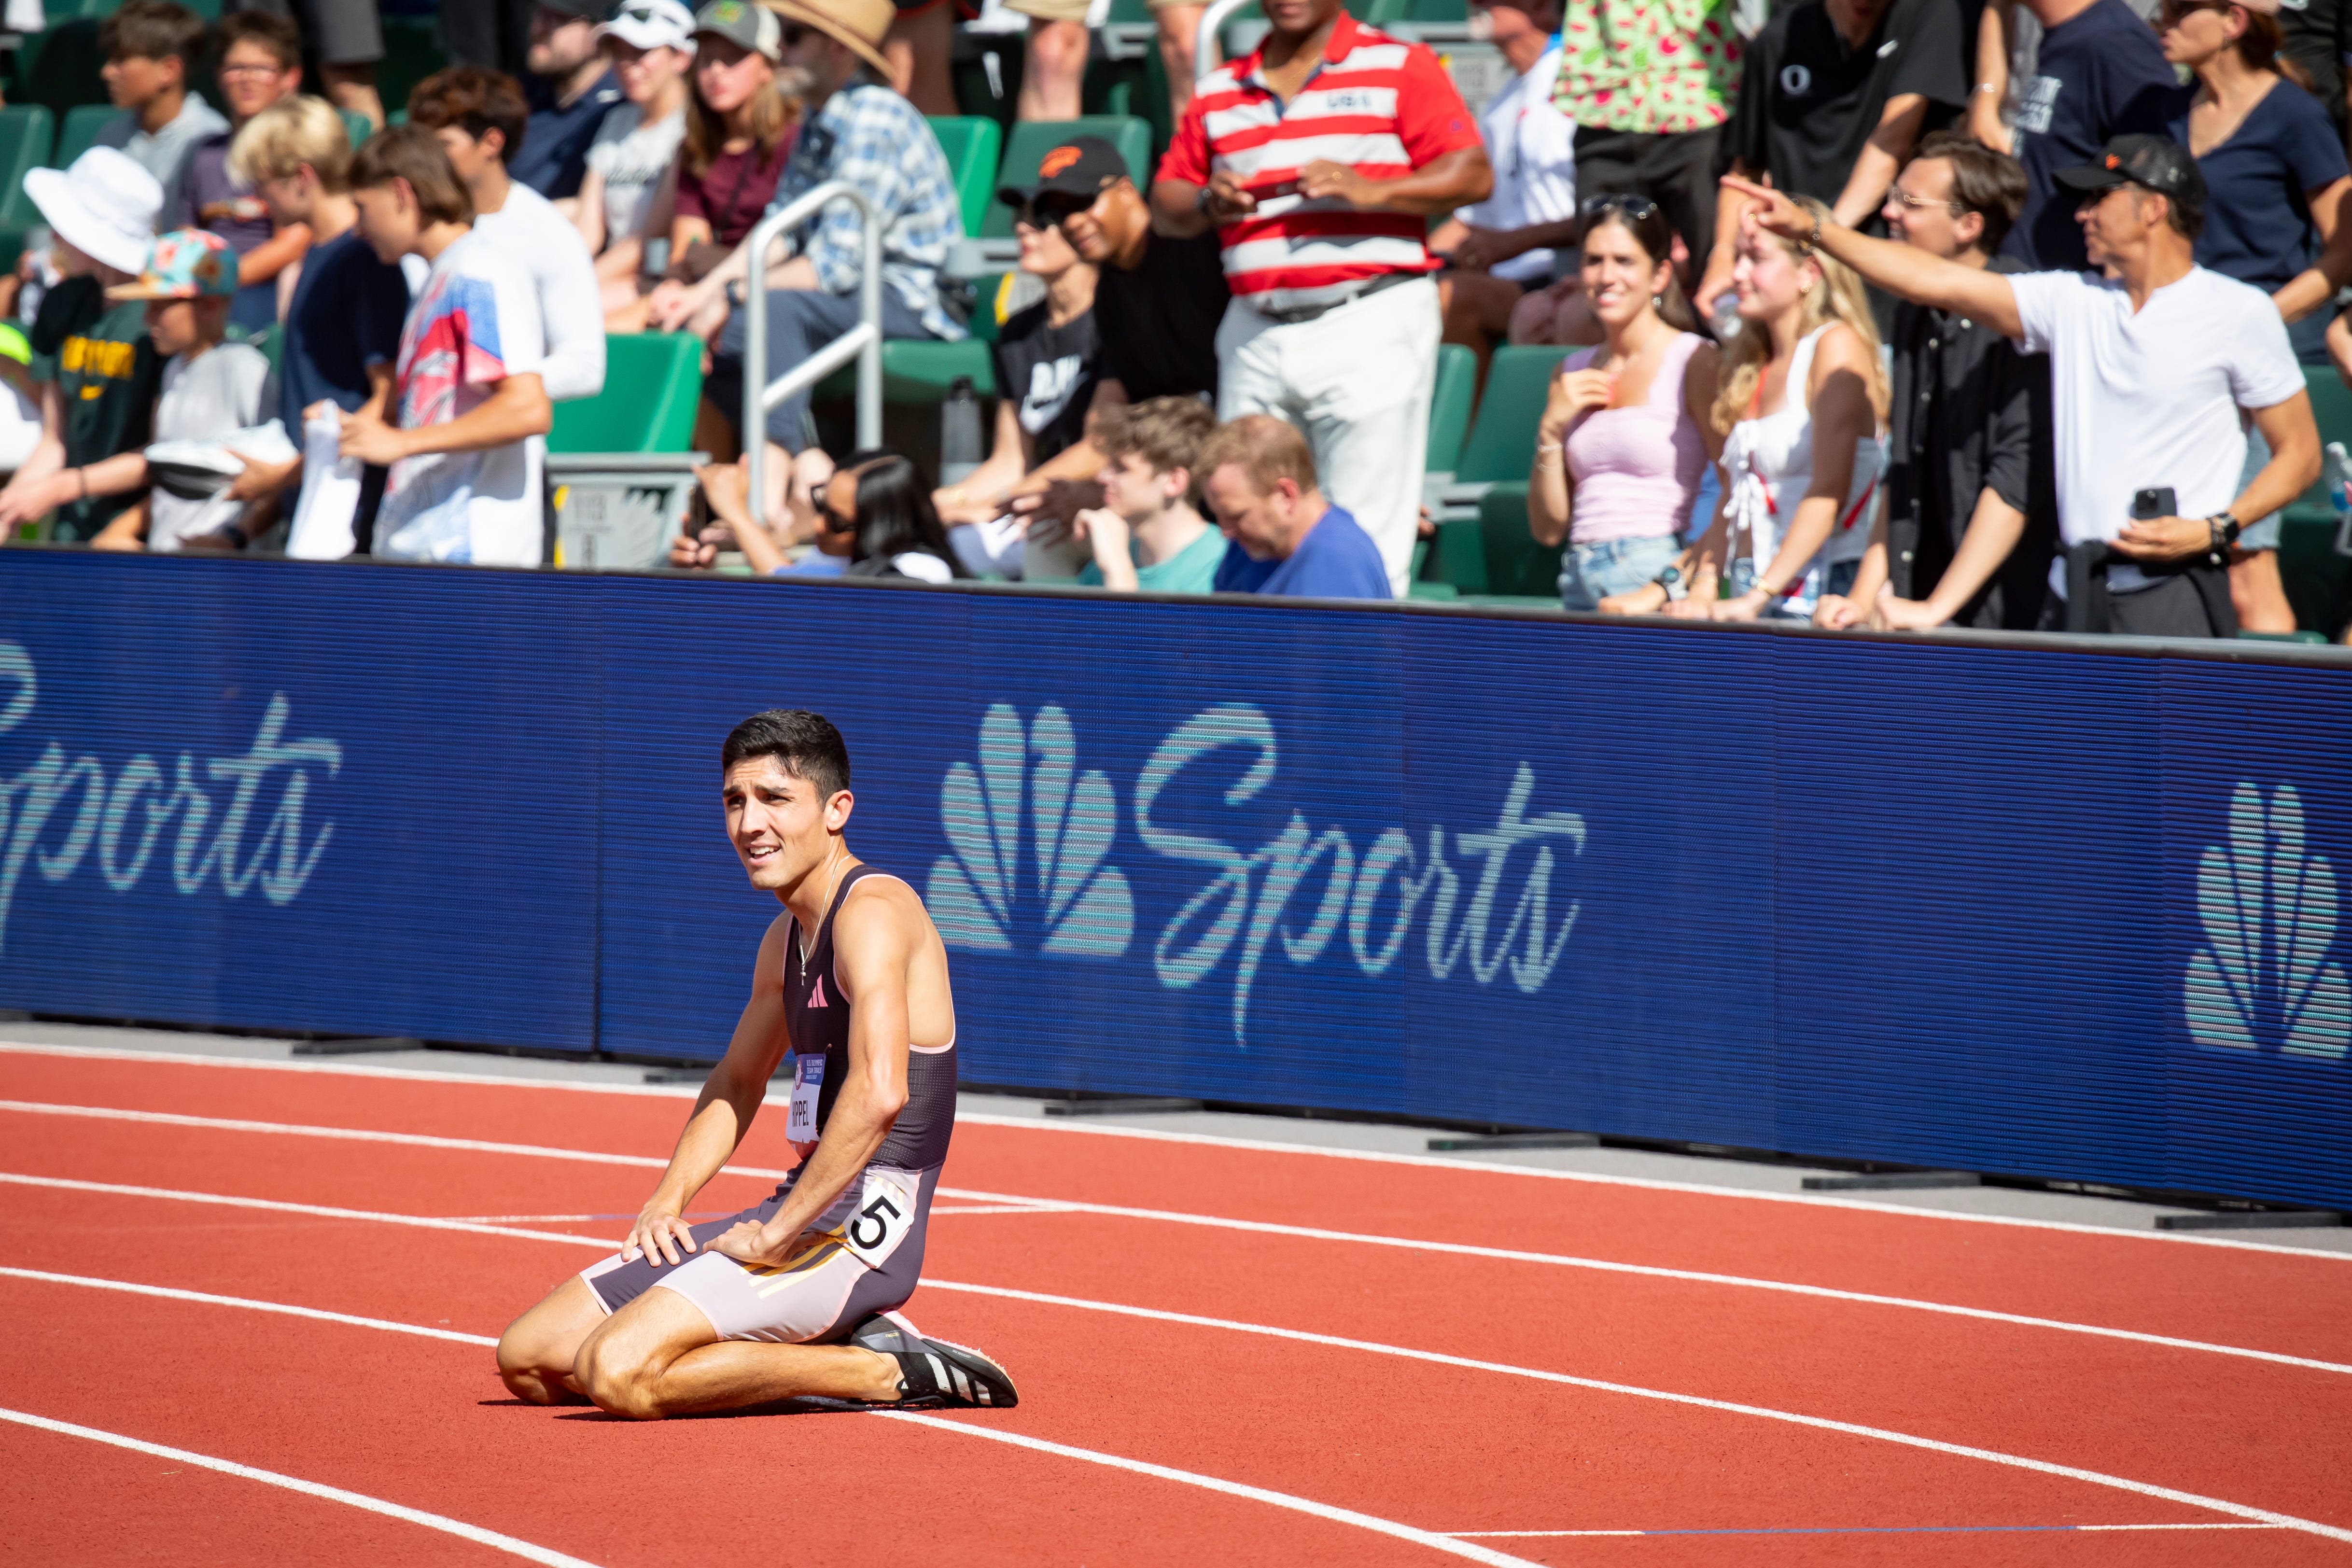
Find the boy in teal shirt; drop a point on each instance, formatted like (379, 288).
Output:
(1147, 536)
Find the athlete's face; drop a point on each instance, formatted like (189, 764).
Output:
(782, 827)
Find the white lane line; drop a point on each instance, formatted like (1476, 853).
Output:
(1233, 1488)
(1859, 1530)
(1013, 1202)
(1213, 1141)
(320, 1211)
(441, 1522)
(989, 1208)
(1436, 1543)
(90, 1282)
(1819, 1423)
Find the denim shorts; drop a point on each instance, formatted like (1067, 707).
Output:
(1591, 573)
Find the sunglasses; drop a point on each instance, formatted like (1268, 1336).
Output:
(1049, 212)
(1641, 209)
(793, 33)
(2173, 11)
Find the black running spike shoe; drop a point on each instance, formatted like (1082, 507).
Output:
(935, 1372)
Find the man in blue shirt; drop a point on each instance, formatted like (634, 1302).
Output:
(1261, 484)
(572, 86)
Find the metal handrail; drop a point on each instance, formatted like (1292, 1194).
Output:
(862, 341)
(1207, 52)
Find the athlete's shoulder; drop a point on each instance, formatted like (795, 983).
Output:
(878, 897)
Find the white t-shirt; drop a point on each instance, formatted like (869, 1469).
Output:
(2152, 399)
(474, 323)
(634, 158)
(1532, 147)
(529, 230)
(215, 395)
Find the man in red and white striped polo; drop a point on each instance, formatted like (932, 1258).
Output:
(1321, 158)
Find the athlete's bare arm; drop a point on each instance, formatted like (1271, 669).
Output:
(730, 1098)
(892, 969)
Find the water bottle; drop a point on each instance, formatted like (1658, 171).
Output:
(2339, 494)
(960, 437)
(1725, 321)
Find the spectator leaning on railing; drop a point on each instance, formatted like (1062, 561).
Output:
(1319, 157)
(1258, 475)
(1628, 428)
(1833, 97)
(2154, 367)
(1802, 399)
(467, 393)
(2275, 184)
(857, 131)
(1971, 516)
(1147, 536)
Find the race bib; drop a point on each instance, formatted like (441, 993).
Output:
(884, 1214)
(808, 1083)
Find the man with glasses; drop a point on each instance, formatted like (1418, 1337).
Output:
(1971, 514)
(1334, 323)
(260, 65)
(853, 128)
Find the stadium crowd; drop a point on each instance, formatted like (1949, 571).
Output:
(1885, 313)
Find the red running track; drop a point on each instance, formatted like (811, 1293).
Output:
(1411, 1440)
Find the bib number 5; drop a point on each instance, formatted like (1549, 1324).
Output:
(882, 1221)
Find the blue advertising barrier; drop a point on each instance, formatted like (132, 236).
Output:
(2039, 910)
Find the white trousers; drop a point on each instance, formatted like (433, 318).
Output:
(1356, 380)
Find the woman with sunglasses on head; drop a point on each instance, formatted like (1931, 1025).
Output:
(2275, 182)
(1802, 404)
(1625, 434)
(739, 125)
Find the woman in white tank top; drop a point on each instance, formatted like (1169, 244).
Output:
(1803, 402)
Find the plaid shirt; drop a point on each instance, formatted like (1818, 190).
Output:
(871, 138)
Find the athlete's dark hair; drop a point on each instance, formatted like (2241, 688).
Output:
(806, 744)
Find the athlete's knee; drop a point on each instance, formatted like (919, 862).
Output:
(616, 1382)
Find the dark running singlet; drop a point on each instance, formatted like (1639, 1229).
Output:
(817, 1016)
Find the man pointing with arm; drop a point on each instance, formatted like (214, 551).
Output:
(2155, 367)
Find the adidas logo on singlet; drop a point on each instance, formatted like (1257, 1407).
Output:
(816, 994)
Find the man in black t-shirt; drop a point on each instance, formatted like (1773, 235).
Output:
(1833, 94)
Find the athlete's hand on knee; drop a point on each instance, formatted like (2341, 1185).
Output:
(747, 1241)
(659, 1234)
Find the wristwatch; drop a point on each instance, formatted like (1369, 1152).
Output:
(2225, 528)
(1671, 580)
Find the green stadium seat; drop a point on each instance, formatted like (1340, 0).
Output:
(356, 126)
(80, 131)
(1031, 139)
(27, 131)
(653, 382)
(1493, 556)
(57, 67)
(2313, 574)
(1449, 405)
(410, 54)
(972, 147)
(1502, 441)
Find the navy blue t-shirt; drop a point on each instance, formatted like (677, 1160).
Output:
(2103, 74)
(347, 311)
(1241, 573)
(1336, 560)
(2258, 226)
(554, 155)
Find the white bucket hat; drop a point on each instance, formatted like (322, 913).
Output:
(104, 206)
(653, 24)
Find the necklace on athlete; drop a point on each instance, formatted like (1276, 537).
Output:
(833, 879)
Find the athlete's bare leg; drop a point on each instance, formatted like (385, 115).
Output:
(536, 1352)
(656, 1357)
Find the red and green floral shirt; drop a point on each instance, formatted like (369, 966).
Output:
(1654, 66)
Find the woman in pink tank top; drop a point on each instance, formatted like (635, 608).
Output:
(1624, 437)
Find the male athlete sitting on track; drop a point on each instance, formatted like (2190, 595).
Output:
(794, 1296)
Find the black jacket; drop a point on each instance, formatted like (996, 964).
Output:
(1970, 413)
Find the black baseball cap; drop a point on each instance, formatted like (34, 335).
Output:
(1081, 166)
(2156, 163)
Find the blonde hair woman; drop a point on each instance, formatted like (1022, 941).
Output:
(1801, 402)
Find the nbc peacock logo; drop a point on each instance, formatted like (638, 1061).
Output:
(1084, 905)
(2261, 980)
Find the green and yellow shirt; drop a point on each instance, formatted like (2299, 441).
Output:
(107, 374)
